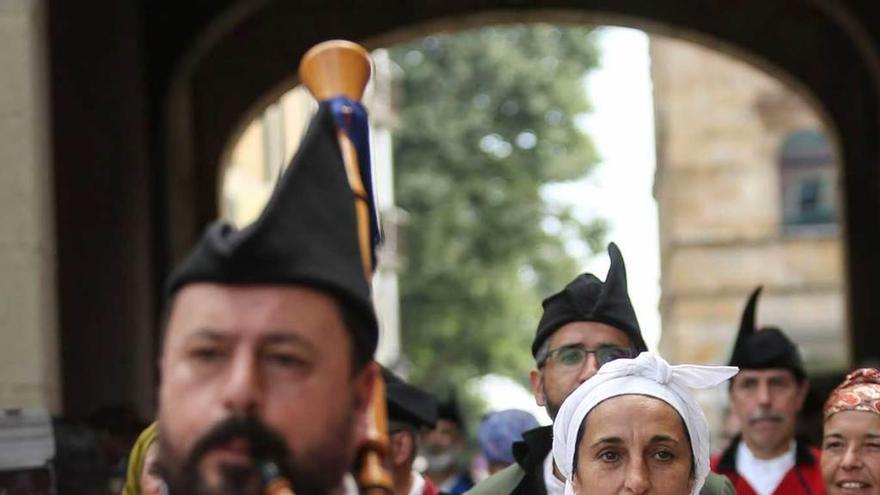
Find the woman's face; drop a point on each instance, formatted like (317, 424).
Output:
(636, 445)
(851, 453)
(151, 483)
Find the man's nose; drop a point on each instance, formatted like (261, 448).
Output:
(638, 479)
(589, 367)
(764, 397)
(243, 388)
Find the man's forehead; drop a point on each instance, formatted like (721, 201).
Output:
(220, 308)
(766, 373)
(589, 333)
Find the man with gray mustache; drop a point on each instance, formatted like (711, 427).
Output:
(766, 397)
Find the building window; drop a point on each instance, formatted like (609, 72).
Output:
(808, 178)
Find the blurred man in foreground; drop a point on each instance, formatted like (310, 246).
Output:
(266, 367)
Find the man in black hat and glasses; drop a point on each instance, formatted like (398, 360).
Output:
(766, 397)
(587, 324)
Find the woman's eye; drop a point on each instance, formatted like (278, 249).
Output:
(832, 445)
(664, 455)
(609, 456)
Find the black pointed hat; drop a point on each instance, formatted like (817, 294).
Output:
(587, 298)
(306, 235)
(408, 403)
(766, 347)
(450, 410)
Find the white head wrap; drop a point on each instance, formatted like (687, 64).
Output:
(648, 374)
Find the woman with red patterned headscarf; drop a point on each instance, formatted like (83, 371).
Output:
(851, 440)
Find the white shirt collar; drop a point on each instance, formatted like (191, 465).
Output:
(418, 484)
(764, 475)
(551, 482)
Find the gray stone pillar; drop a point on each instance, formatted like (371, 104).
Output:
(28, 309)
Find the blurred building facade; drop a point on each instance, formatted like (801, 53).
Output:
(747, 194)
(257, 158)
(747, 191)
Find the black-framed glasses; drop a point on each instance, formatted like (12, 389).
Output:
(574, 356)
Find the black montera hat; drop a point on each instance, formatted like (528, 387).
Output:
(408, 403)
(307, 234)
(766, 347)
(587, 298)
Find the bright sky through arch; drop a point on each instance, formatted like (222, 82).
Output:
(620, 187)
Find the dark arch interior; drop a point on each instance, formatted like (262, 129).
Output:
(145, 96)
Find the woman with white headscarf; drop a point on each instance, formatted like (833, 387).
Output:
(634, 427)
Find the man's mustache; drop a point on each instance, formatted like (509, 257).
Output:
(766, 415)
(263, 443)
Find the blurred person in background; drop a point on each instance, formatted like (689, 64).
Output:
(498, 432)
(444, 449)
(851, 436)
(410, 410)
(142, 475)
(766, 396)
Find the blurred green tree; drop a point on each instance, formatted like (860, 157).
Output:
(487, 117)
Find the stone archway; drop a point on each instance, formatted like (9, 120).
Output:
(145, 96)
(804, 43)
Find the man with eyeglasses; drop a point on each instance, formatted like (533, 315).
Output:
(587, 324)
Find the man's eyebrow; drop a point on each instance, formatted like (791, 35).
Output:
(208, 334)
(287, 338)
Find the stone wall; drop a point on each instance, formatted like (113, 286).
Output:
(720, 125)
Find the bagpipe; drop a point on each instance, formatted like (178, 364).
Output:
(338, 71)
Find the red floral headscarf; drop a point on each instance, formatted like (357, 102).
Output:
(860, 391)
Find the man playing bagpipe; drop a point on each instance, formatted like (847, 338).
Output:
(267, 369)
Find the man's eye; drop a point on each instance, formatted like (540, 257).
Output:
(570, 357)
(284, 359)
(780, 384)
(206, 354)
(610, 353)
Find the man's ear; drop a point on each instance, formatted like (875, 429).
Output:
(363, 388)
(536, 377)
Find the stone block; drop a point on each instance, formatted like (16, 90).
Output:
(28, 354)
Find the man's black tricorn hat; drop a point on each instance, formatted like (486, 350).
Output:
(450, 410)
(306, 235)
(766, 347)
(408, 403)
(587, 298)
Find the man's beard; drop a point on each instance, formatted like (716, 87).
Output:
(187, 476)
(440, 462)
(551, 407)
